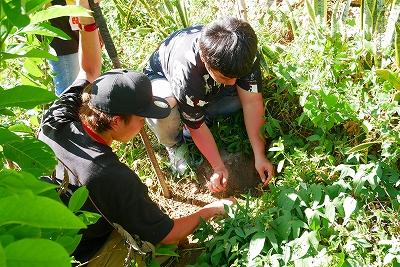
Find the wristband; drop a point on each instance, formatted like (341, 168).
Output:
(88, 27)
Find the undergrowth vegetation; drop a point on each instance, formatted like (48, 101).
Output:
(331, 92)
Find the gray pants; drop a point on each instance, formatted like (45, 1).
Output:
(168, 129)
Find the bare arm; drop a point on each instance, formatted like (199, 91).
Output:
(89, 49)
(253, 112)
(186, 225)
(205, 142)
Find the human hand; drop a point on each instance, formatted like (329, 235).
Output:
(218, 180)
(218, 207)
(265, 169)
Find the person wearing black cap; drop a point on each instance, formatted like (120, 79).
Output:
(80, 127)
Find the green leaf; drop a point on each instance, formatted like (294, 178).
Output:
(313, 218)
(59, 11)
(239, 232)
(330, 211)
(6, 112)
(270, 234)
(362, 147)
(166, 250)
(15, 182)
(7, 136)
(21, 128)
(25, 96)
(2, 257)
(14, 13)
(33, 53)
(349, 206)
(31, 66)
(46, 29)
(31, 155)
(36, 253)
(89, 217)
(78, 198)
(24, 231)
(34, 5)
(256, 245)
(392, 77)
(69, 242)
(314, 137)
(37, 211)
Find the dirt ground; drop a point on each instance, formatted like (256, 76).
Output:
(190, 195)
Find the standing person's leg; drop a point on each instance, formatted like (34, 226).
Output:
(167, 130)
(65, 71)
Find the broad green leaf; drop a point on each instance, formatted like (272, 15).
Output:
(34, 5)
(6, 112)
(166, 250)
(69, 242)
(313, 219)
(314, 137)
(21, 128)
(283, 226)
(270, 234)
(32, 67)
(345, 171)
(390, 76)
(300, 247)
(46, 29)
(2, 257)
(349, 206)
(78, 198)
(59, 11)
(16, 182)
(31, 155)
(25, 231)
(25, 96)
(33, 53)
(296, 226)
(14, 13)
(36, 253)
(286, 200)
(330, 211)
(7, 136)
(37, 211)
(256, 245)
(89, 217)
(239, 232)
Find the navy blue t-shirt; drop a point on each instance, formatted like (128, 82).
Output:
(178, 60)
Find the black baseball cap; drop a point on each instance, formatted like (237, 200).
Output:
(121, 91)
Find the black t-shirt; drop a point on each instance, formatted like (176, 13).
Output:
(178, 60)
(116, 190)
(64, 47)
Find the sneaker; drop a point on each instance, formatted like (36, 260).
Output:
(177, 158)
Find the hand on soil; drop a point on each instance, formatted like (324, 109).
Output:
(218, 181)
(266, 170)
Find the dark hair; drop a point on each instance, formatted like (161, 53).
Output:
(96, 119)
(229, 45)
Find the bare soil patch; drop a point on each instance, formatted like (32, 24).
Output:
(190, 195)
